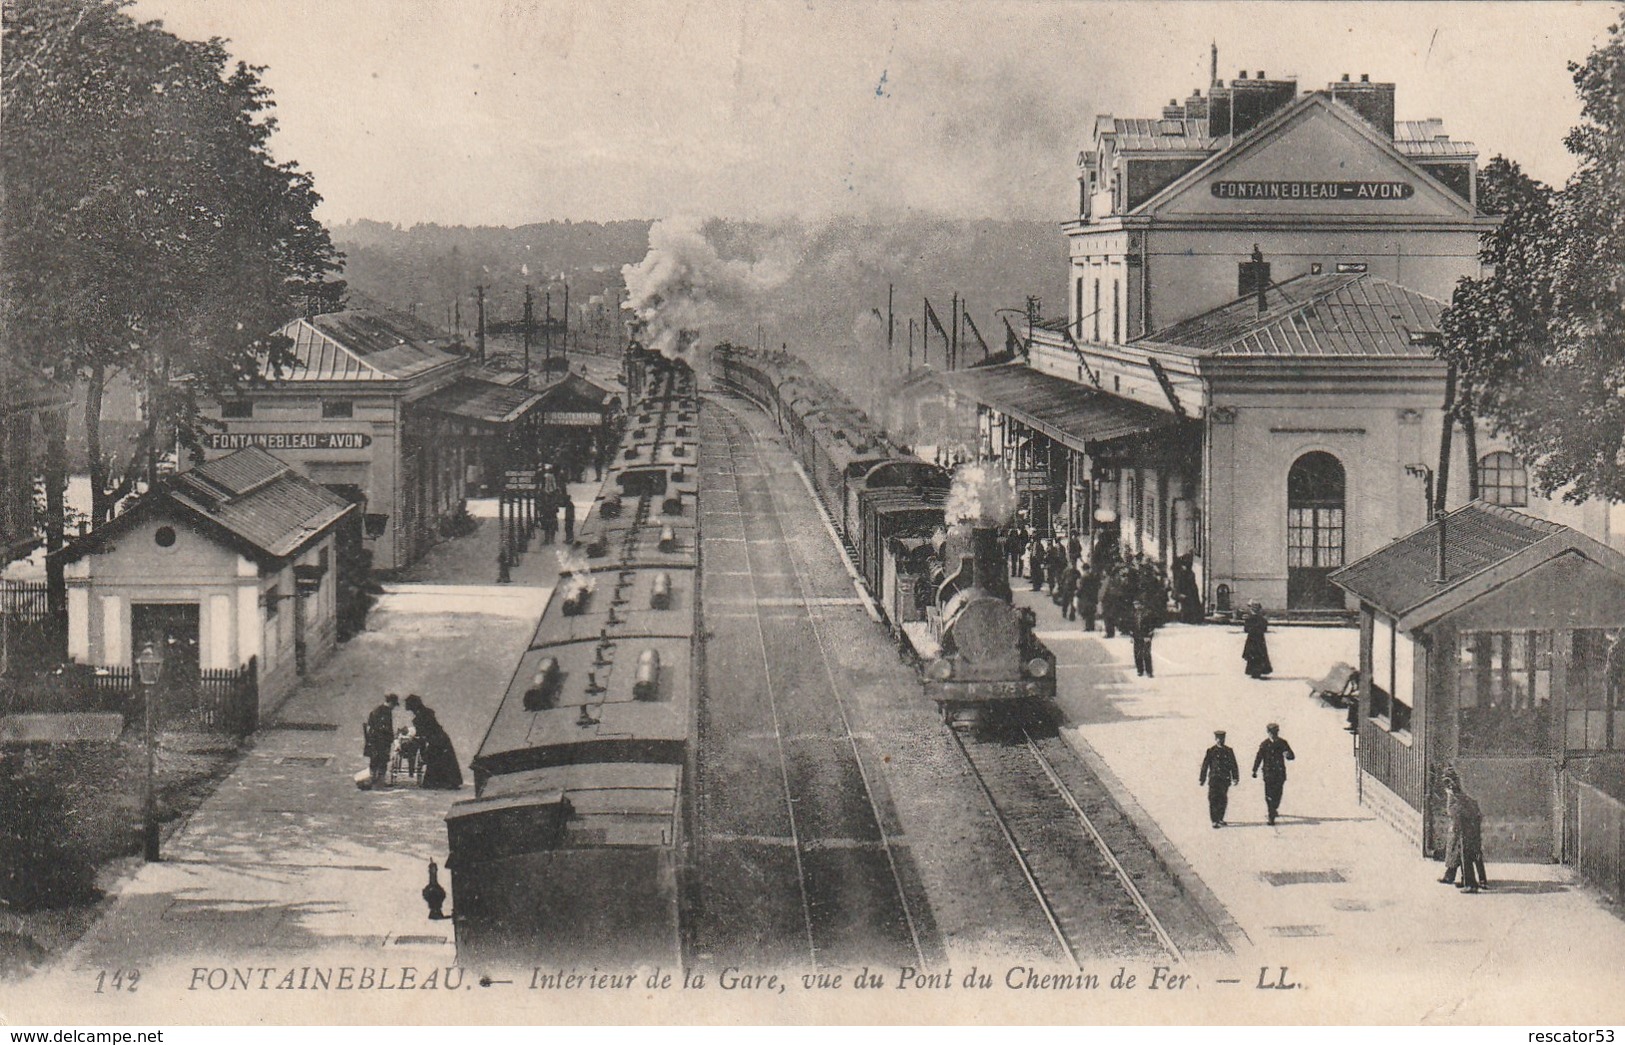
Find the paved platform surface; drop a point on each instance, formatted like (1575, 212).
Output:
(1331, 892)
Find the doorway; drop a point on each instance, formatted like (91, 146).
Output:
(172, 628)
(1314, 531)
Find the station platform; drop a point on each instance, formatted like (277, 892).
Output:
(1332, 893)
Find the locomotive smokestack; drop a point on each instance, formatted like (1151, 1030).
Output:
(989, 563)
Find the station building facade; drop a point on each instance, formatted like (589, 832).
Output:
(387, 411)
(1246, 374)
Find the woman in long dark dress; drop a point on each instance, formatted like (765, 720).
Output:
(1256, 652)
(440, 769)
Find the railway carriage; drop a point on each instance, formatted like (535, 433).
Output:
(571, 848)
(974, 648)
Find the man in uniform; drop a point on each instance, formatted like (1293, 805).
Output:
(1219, 771)
(377, 736)
(1273, 755)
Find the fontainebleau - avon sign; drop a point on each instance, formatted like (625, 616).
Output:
(1313, 190)
(287, 440)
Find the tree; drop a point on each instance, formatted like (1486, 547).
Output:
(1540, 342)
(147, 228)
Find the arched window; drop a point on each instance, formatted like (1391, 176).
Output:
(1314, 532)
(1503, 480)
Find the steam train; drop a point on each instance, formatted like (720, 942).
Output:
(571, 848)
(942, 589)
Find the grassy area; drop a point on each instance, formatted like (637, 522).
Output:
(72, 830)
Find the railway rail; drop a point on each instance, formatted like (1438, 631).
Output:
(1092, 903)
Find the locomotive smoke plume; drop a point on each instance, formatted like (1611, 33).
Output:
(683, 287)
(580, 577)
(981, 495)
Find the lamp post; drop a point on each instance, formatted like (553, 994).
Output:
(149, 665)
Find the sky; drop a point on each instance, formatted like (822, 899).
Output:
(513, 111)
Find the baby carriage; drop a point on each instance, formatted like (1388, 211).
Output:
(405, 756)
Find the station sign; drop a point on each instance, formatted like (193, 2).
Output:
(287, 440)
(572, 418)
(1313, 190)
(1032, 480)
(519, 481)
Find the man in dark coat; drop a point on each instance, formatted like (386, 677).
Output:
(1466, 824)
(377, 735)
(1143, 623)
(1074, 548)
(1219, 771)
(1088, 596)
(1055, 564)
(1273, 755)
(1015, 545)
(1038, 553)
(1066, 591)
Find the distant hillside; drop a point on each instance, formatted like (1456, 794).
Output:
(830, 279)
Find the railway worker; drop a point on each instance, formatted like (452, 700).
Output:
(1143, 623)
(1066, 590)
(1088, 594)
(1273, 755)
(1074, 548)
(1466, 836)
(1037, 555)
(1219, 772)
(377, 735)
(1015, 546)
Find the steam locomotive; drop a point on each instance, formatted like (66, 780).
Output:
(940, 588)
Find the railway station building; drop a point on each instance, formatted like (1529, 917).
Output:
(1246, 372)
(390, 413)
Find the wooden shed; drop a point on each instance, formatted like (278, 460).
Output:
(1489, 640)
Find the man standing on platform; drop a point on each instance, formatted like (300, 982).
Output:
(1219, 771)
(377, 736)
(1273, 755)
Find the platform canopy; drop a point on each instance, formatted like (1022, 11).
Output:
(483, 402)
(1070, 413)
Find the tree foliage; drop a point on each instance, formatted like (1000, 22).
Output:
(1540, 340)
(147, 228)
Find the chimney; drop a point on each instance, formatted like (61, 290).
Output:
(1173, 110)
(1373, 101)
(990, 573)
(1254, 101)
(1196, 106)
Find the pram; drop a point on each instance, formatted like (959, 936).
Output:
(1338, 687)
(405, 756)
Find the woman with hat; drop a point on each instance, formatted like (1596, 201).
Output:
(439, 758)
(1256, 651)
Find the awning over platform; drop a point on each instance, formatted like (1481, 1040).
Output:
(1074, 414)
(481, 401)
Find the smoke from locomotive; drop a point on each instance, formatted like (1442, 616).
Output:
(981, 495)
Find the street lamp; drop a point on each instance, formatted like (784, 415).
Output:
(149, 665)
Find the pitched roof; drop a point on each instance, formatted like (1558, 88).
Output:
(360, 345)
(1478, 537)
(1427, 139)
(1326, 315)
(1148, 135)
(259, 499)
(248, 498)
(574, 392)
(484, 401)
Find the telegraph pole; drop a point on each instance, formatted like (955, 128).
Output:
(953, 338)
(547, 335)
(529, 318)
(479, 331)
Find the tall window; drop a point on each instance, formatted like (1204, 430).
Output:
(1117, 312)
(1503, 480)
(1593, 698)
(1097, 308)
(1078, 325)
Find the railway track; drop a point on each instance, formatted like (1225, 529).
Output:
(853, 902)
(1092, 903)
